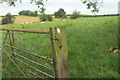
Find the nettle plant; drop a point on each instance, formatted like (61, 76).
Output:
(93, 5)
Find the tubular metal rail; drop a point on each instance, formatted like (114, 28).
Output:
(14, 54)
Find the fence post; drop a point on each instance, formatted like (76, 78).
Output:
(62, 53)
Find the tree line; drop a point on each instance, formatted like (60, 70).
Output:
(28, 13)
(9, 19)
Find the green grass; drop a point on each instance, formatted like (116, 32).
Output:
(88, 43)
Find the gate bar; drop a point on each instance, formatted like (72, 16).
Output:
(33, 68)
(14, 62)
(28, 52)
(34, 62)
(52, 50)
(29, 31)
(5, 37)
(35, 74)
(11, 43)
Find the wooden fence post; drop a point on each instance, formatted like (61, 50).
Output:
(62, 53)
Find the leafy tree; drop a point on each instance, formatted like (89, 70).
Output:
(94, 5)
(28, 13)
(43, 17)
(35, 13)
(8, 19)
(75, 15)
(60, 13)
(41, 10)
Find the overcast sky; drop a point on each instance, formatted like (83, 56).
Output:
(109, 7)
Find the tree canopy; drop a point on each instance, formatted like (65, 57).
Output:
(75, 15)
(8, 19)
(94, 5)
(28, 13)
(60, 13)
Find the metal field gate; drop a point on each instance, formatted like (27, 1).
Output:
(61, 58)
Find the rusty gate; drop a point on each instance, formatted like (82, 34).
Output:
(61, 53)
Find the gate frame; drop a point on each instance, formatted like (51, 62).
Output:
(61, 49)
(30, 31)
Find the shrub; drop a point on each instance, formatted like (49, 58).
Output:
(8, 19)
(60, 13)
(75, 15)
(4, 21)
(43, 17)
(49, 18)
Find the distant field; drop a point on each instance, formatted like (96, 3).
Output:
(23, 19)
(88, 43)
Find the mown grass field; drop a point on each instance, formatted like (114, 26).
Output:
(23, 19)
(88, 43)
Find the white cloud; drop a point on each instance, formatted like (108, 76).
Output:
(109, 6)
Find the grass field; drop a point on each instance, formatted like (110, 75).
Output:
(88, 43)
